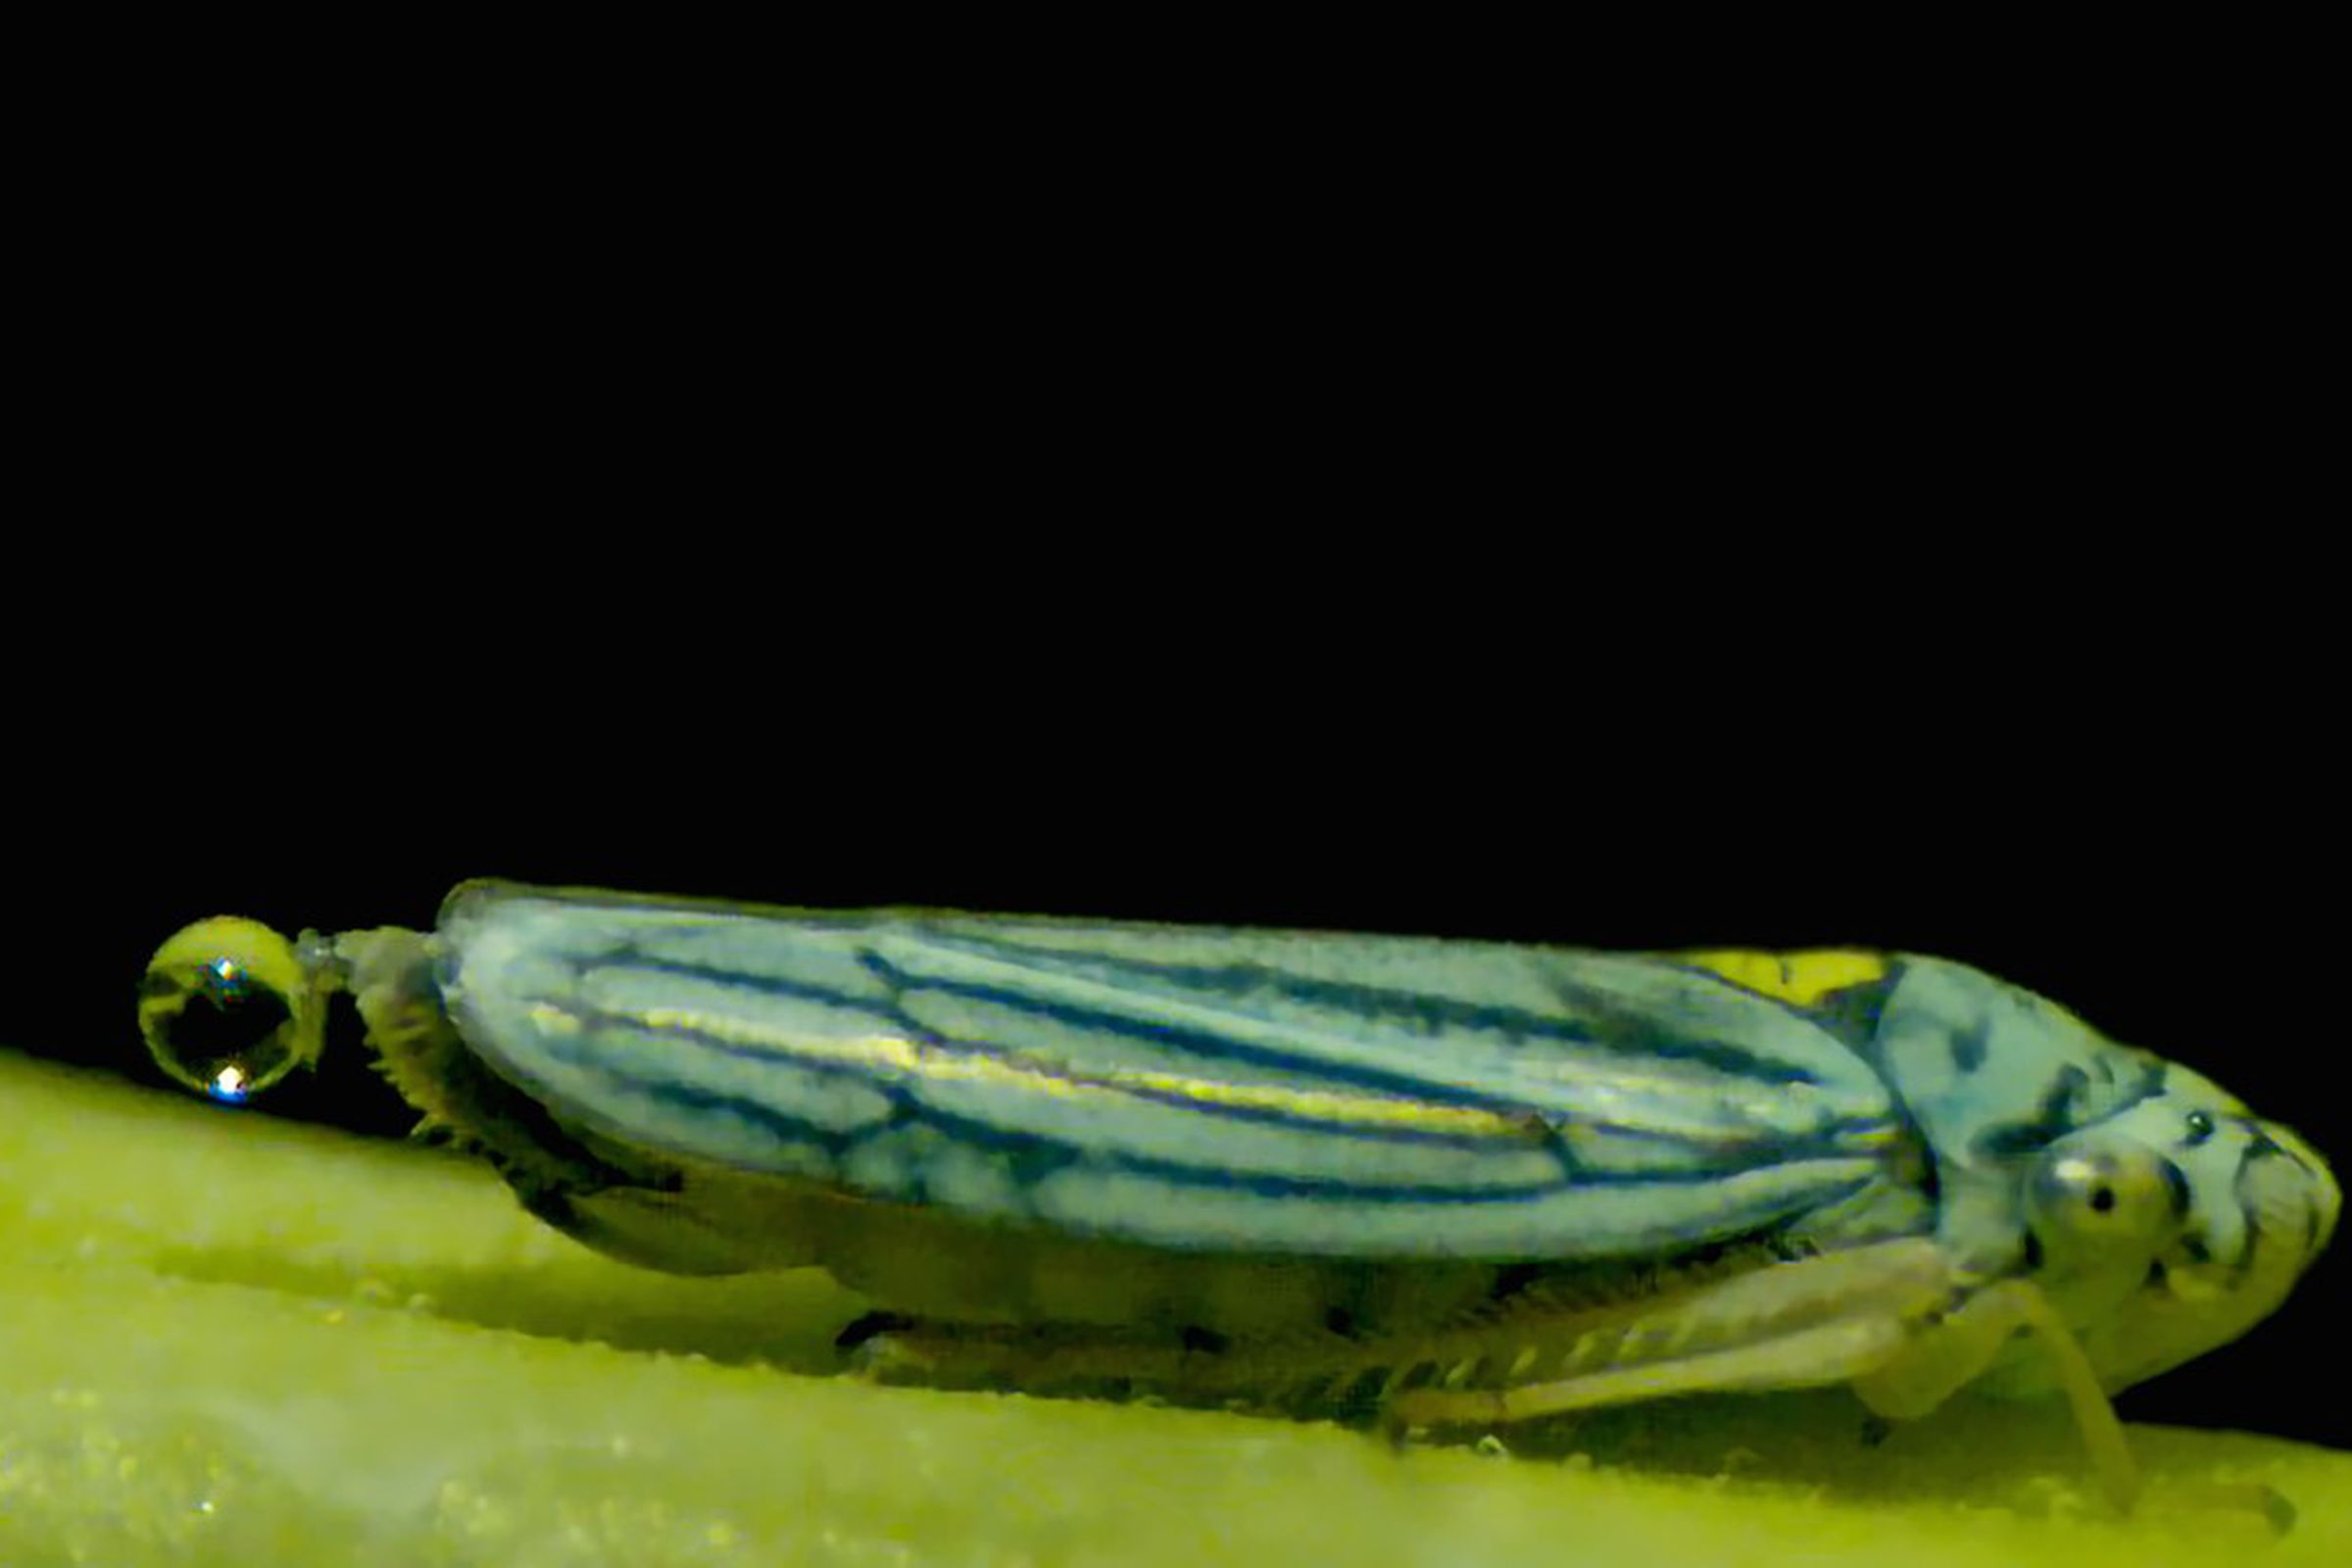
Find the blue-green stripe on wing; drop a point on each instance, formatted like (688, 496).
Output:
(1229, 1090)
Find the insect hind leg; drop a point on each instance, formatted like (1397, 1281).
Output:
(1788, 1324)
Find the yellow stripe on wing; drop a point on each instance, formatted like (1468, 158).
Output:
(890, 1054)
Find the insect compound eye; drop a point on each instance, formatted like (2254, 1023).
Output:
(2093, 1196)
(227, 1008)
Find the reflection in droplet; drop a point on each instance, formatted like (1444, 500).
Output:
(227, 1008)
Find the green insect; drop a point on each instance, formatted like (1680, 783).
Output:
(1467, 1183)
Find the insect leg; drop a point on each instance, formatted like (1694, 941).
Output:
(1790, 1324)
(1946, 1356)
(1834, 1353)
(1963, 1344)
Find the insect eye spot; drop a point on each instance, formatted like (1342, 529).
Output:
(2102, 1199)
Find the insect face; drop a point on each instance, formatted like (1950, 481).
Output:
(2172, 1227)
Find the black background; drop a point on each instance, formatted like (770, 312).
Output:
(1784, 538)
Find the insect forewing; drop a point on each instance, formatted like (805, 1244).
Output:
(1231, 1091)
